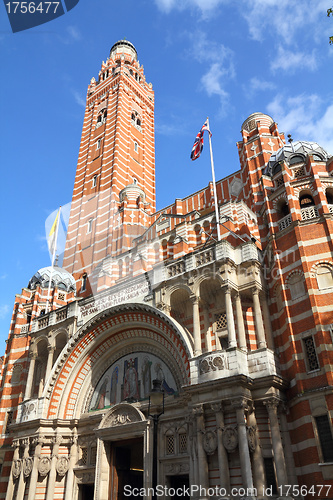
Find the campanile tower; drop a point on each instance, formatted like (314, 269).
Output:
(114, 189)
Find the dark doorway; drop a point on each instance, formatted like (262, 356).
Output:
(126, 468)
(179, 482)
(86, 492)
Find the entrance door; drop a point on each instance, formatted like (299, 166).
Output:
(86, 492)
(179, 482)
(126, 468)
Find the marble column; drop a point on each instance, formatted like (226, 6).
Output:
(208, 336)
(202, 457)
(240, 323)
(73, 457)
(240, 405)
(196, 326)
(268, 325)
(257, 459)
(260, 331)
(279, 460)
(49, 364)
(232, 342)
(22, 481)
(53, 471)
(38, 442)
(221, 451)
(16, 463)
(31, 372)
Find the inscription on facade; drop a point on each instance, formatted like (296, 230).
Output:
(114, 299)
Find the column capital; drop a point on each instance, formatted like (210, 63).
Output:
(33, 354)
(198, 410)
(15, 443)
(194, 298)
(255, 290)
(272, 404)
(25, 442)
(240, 403)
(51, 348)
(216, 407)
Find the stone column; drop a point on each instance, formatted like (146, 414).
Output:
(53, 471)
(49, 364)
(280, 465)
(260, 331)
(202, 457)
(240, 405)
(73, 456)
(22, 482)
(290, 464)
(196, 326)
(208, 339)
(15, 469)
(102, 474)
(38, 442)
(267, 319)
(30, 379)
(194, 472)
(232, 342)
(221, 451)
(258, 461)
(240, 323)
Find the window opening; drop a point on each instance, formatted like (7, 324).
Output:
(311, 354)
(325, 437)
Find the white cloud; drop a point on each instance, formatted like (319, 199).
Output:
(205, 6)
(74, 33)
(306, 117)
(283, 18)
(4, 309)
(81, 101)
(257, 85)
(221, 66)
(292, 61)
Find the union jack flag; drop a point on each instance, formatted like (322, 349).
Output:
(198, 143)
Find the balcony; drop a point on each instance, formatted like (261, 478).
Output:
(309, 213)
(54, 317)
(285, 222)
(223, 364)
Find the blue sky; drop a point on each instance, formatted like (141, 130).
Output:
(216, 58)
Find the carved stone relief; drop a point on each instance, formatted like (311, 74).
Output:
(230, 439)
(44, 466)
(17, 466)
(177, 468)
(62, 466)
(27, 466)
(213, 363)
(209, 442)
(252, 438)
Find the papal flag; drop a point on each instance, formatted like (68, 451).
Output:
(52, 237)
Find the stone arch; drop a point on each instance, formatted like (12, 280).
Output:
(323, 272)
(120, 327)
(295, 283)
(120, 414)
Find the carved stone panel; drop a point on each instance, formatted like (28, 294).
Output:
(230, 439)
(17, 466)
(209, 442)
(27, 466)
(62, 466)
(252, 438)
(44, 466)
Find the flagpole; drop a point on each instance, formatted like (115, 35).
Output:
(52, 265)
(217, 215)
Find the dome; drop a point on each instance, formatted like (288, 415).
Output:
(132, 192)
(293, 153)
(250, 123)
(60, 278)
(123, 47)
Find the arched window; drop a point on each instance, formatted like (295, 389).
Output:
(295, 159)
(120, 269)
(283, 208)
(84, 283)
(329, 196)
(306, 200)
(296, 286)
(324, 277)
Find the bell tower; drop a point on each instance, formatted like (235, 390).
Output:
(114, 189)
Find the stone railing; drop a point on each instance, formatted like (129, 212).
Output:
(309, 213)
(54, 317)
(285, 222)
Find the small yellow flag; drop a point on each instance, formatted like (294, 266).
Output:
(51, 240)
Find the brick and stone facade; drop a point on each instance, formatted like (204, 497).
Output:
(238, 330)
